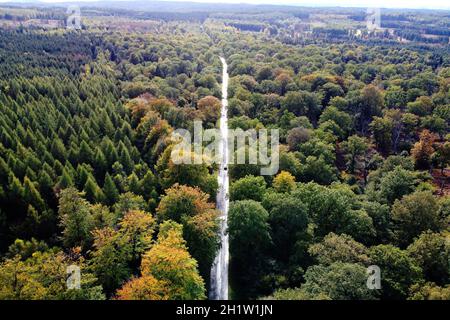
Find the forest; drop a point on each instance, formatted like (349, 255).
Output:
(87, 180)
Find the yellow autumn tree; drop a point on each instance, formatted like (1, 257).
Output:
(284, 182)
(168, 272)
(144, 288)
(191, 207)
(136, 229)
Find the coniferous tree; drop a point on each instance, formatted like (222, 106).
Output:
(75, 219)
(92, 191)
(133, 184)
(31, 195)
(125, 159)
(85, 155)
(110, 190)
(65, 180)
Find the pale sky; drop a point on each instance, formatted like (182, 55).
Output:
(435, 4)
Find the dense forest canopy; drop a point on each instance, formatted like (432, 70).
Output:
(86, 177)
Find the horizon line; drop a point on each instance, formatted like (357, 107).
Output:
(230, 3)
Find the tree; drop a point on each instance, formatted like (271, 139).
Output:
(284, 182)
(110, 191)
(398, 271)
(264, 73)
(395, 97)
(65, 181)
(109, 259)
(181, 201)
(396, 184)
(31, 195)
(431, 251)
(136, 231)
(58, 150)
(335, 209)
(117, 253)
(75, 219)
(86, 155)
(100, 163)
(133, 184)
(339, 248)
(249, 187)
(442, 156)
(92, 191)
(194, 175)
(190, 207)
(382, 133)
(25, 248)
(381, 218)
(283, 79)
(357, 154)
(330, 90)
(128, 201)
(423, 150)
(371, 103)
(429, 291)
(297, 136)
(297, 294)
(148, 185)
(83, 172)
(125, 159)
(210, 107)
(301, 104)
(102, 216)
(42, 276)
(342, 119)
(414, 214)
(169, 271)
(249, 244)
(421, 107)
(144, 288)
(289, 220)
(289, 162)
(316, 169)
(338, 281)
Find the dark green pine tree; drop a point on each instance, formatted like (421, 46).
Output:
(15, 188)
(4, 170)
(45, 184)
(65, 181)
(125, 159)
(2, 198)
(126, 130)
(31, 195)
(110, 190)
(133, 184)
(58, 150)
(86, 155)
(109, 151)
(58, 167)
(100, 164)
(30, 174)
(82, 175)
(148, 184)
(92, 191)
(17, 166)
